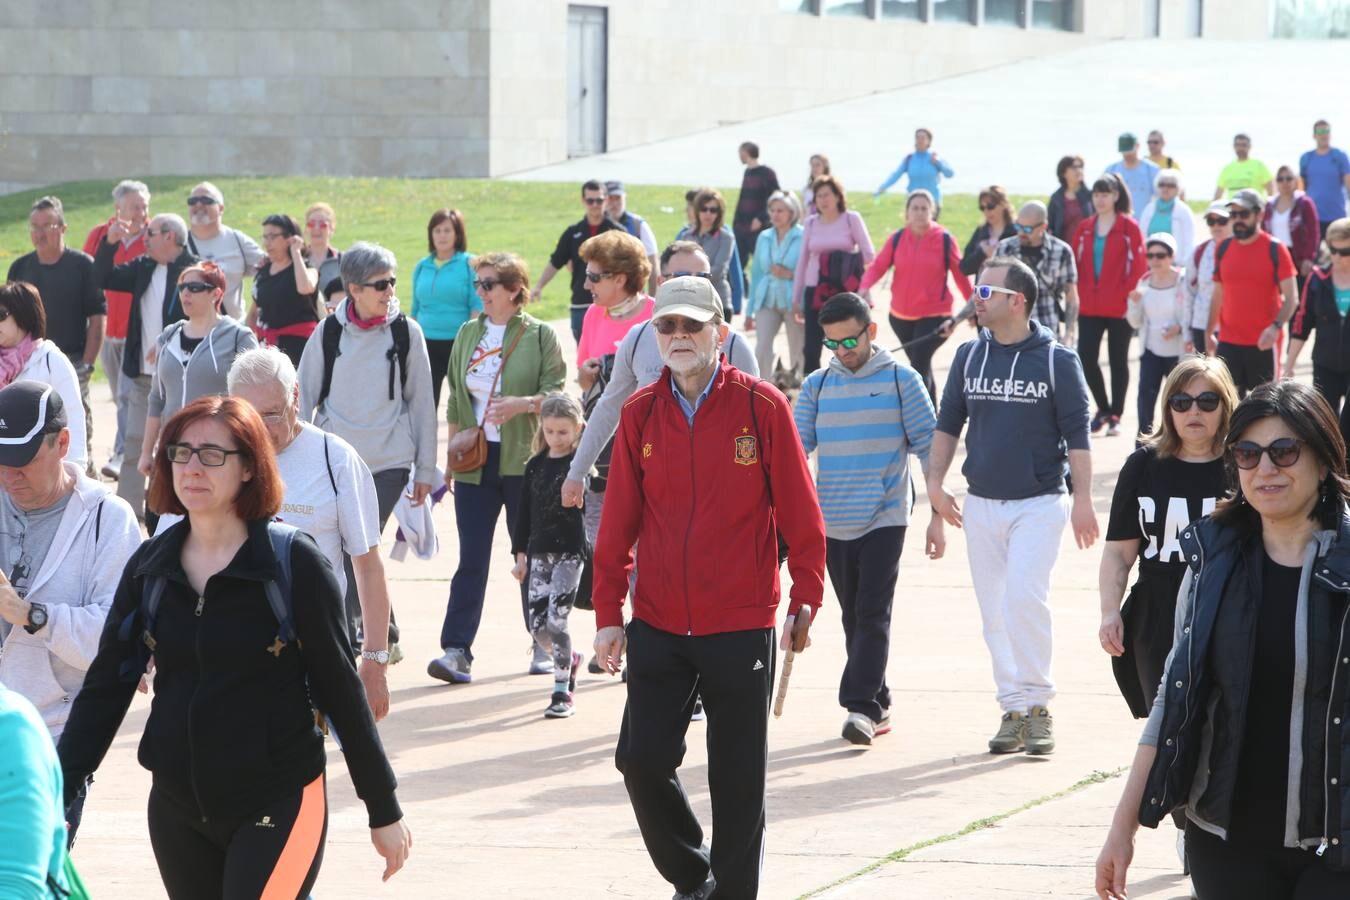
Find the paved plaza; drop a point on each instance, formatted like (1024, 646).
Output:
(505, 804)
(1009, 124)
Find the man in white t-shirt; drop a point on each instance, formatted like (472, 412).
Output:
(235, 252)
(330, 496)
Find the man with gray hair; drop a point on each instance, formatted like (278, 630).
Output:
(1052, 260)
(365, 377)
(131, 206)
(64, 277)
(152, 281)
(235, 252)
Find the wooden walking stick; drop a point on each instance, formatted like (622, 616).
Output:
(783, 683)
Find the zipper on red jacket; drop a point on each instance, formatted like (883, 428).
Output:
(688, 529)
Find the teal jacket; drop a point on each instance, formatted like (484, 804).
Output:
(443, 298)
(535, 367)
(32, 817)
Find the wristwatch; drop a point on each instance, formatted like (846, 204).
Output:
(37, 618)
(376, 656)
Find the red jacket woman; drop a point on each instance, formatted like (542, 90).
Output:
(1102, 291)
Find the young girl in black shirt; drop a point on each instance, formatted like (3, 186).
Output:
(549, 544)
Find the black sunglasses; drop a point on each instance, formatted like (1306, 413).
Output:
(594, 201)
(1283, 453)
(710, 209)
(1158, 255)
(597, 277)
(486, 284)
(382, 285)
(1215, 221)
(212, 457)
(201, 201)
(1207, 401)
(668, 324)
(986, 207)
(847, 343)
(1338, 251)
(1241, 213)
(196, 287)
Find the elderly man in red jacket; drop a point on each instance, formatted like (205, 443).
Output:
(707, 472)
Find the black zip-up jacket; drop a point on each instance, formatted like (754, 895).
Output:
(1204, 713)
(1055, 210)
(134, 277)
(1317, 309)
(231, 728)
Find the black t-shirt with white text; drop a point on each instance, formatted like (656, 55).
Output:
(1156, 498)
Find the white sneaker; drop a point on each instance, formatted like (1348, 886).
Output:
(113, 467)
(859, 729)
(541, 663)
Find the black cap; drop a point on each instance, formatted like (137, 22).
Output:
(29, 410)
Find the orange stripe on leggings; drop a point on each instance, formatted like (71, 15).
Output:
(297, 857)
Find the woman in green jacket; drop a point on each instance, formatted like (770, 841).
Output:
(503, 363)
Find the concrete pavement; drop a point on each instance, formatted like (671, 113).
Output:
(505, 804)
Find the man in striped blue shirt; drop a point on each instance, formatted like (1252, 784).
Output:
(864, 413)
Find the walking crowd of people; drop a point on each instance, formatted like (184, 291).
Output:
(263, 442)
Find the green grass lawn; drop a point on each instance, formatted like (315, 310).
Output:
(523, 217)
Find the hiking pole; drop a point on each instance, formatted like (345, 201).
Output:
(783, 683)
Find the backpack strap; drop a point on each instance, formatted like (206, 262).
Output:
(279, 590)
(632, 353)
(1274, 260)
(1220, 251)
(398, 330)
(332, 337)
(328, 464)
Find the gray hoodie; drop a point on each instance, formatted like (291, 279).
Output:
(181, 378)
(78, 577)
(388, 434)
(1027, 403)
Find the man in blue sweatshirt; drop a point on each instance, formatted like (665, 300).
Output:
(1027, 404)
(864, 414)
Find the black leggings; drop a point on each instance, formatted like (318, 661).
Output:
(277, 849)
(813, 335)
(438, 353)
(1118, 333)
(921, 354)
(1221, 871)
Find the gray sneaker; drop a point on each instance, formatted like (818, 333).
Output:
(859, 729)
(703, 892)
(453, 667)
(1012, 734)
(1040, 732)
(541, 663)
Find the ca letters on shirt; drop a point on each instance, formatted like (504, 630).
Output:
(1178, 516)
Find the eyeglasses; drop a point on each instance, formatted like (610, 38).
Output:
(1153, 141)
(486, 284)
(1241, 213)
(707, 275)
(1338, 251)
(1026, 229)
(1215, 221)
(711, 209)
(272, 236)
(986, 207)
(847, 343)
(209, 456)
(1283, 453)
(150, 232)
(201, 201)
(597, 277)
(594, 201)
(668, 324)
(1207, 401)
(383, 284)
(196, 287)
(273, 418)
(986, 292)
(1167, 184)
(1158, 255)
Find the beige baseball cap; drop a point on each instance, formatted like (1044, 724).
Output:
(689, 295)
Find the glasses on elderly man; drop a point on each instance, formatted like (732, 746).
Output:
(201, 201)
(667, 325)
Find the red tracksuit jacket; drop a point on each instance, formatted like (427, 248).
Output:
(696, 501)
(1122, 266)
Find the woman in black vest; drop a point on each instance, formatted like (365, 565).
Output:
(1262, 638)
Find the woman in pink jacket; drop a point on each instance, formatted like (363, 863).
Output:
(833, 227)
(922, 254)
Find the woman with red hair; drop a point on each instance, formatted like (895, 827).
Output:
(242, 663)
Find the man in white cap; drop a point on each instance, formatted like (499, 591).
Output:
(705, 458)
(64, 541)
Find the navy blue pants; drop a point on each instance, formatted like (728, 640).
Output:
(477, 509)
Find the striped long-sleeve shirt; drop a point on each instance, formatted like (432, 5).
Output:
(863, 426)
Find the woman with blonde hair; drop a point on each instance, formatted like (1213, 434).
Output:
(1176, 477)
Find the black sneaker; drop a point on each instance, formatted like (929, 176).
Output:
(560, 706)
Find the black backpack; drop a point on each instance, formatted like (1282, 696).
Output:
(332, 337)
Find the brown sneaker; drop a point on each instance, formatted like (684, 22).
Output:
(1040, 735)
(1012, 734)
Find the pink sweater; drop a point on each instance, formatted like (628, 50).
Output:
(919, 286)
(847, 233)
(601, 335)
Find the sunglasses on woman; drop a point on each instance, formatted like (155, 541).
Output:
(1283, 453)
(1338, 251)
(383, 284)
(196, 287)
(212, 457)
(847, 343)
(597, 277)
(1215, 221)
(667, 325)
(1158, 255)
(1207, 401)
